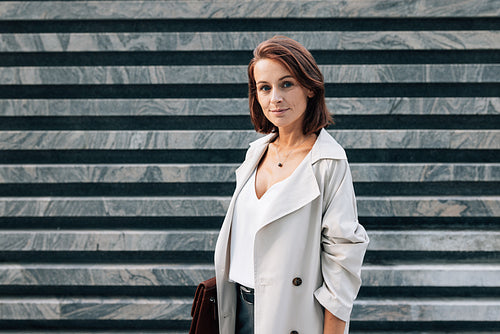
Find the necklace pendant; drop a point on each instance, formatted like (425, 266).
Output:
(280, 164)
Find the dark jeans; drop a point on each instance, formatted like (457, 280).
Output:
(244, 310)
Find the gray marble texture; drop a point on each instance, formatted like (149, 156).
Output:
(105, 275)
(239, 106)
(222, 41)
(230, 74)
(186, 332)
(143, 173)
(132, 332)
(108, 240)
(429, 206)
(441, 275)
(32, 308)
(160, 9)
(204, 240)
(179, 309)
(437, 241)
(408, 206)
(113, 206)
(408, 309)
(226, 139)
(146, 173)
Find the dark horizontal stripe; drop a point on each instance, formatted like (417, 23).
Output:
(79, 291)
(422, 155)
(241, 90)
(427, 292)
(105, 257)
(250, 24)
(161, 325)
(130, 123)
(226, 189)
(171, 58)
(214, 223)
(106, 223)
(242, 122)
(206, 257)
(117, 189)
(93, 324)
(233, 156)
(456, 326)
(430, 223)
(121, 156)
(434, 257)
(427, 188)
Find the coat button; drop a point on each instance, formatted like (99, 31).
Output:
(294, 332)
(297, 281)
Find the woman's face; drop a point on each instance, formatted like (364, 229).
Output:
(282, 99)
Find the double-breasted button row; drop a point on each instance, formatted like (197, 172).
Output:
(297, 281)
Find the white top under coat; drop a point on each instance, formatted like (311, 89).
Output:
(248, 219)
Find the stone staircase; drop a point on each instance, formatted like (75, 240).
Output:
(122, 122)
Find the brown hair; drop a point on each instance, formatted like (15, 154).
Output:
(301, 64)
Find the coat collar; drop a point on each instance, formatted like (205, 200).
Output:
(305, 188)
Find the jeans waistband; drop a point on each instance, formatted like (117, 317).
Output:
(247, 294)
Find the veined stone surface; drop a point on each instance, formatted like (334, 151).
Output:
(179, 309)
(204, 240)
(239, 106)
(426, 310)
(397, 206)
(227, 41)
(190, 275)
(98, 75)
(175, 173)
(161, 9)
(224, 139)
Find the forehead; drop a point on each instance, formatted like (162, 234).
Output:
(270, 70)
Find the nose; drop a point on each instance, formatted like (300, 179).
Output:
(276, 96)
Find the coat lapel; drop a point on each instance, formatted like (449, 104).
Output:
(295, 193)
(304, 187)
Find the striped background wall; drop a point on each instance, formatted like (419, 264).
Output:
(121, 124)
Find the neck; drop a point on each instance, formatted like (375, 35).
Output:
(290, 138)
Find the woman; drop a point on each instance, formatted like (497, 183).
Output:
(290, 250)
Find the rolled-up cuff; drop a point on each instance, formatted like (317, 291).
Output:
(332, 304)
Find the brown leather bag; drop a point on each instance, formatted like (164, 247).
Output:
(204, 310)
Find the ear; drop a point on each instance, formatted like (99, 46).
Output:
(310, 94)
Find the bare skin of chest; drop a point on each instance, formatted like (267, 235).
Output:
(268, 172)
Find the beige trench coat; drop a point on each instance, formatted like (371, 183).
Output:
(312, 234)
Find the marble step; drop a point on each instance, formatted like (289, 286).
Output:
(239, 106)
(231, 74)
(153, 275)
(70, 331)
(354, 331)
(238, 41)
(186, 332)
(96, 309)
(390, 206)
(426, 310)
(208, 173)
(204, 240)
(227, 139)
(148, 9)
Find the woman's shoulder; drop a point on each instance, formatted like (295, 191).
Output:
(327, 148)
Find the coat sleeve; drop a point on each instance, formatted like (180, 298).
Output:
(343, 241)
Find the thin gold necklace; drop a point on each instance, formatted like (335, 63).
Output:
(280, 164)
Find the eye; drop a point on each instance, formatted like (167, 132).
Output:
(287, 84)
(264, 88)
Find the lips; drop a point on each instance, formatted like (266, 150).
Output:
(278, 110)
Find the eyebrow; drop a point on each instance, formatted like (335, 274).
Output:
(280, 79)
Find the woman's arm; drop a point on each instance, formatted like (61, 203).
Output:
(333, 325)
